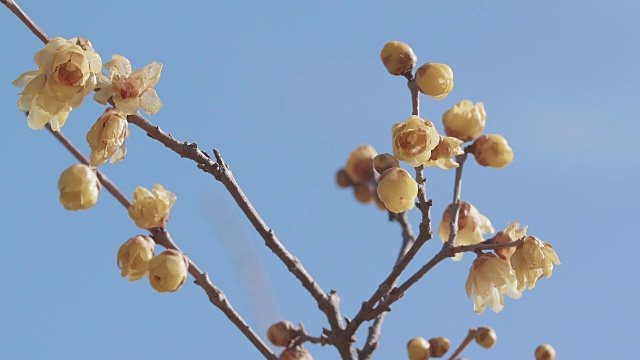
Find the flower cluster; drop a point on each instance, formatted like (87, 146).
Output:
(358, 173)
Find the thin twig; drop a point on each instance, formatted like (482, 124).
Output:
(454, 210)
(467, 340)
(35, 29)
(302, 337)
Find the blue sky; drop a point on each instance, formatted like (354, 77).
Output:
(285, 90)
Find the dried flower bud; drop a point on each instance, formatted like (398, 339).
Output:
(383, 162)
(342, 179)
(439, 346)
(486, 337)
(282, 333)
(413, 140)
(490, 278)
(365, 192)
(435, 80)
(398, 57)
(509, 234)
(545, 352)
(168, 271)
(79, 187)
(106, 137)
(359, 166)
(492, 150)
(533, 259)
(464, 120)
(418, 349)
(441, 155)
(134, 256)
(151, 209)
(297, 353)
(397, 189)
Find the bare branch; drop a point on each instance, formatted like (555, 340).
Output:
(35, 29)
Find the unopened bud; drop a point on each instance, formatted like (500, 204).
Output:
(486, 337)
(359, 166)
(296, 354)
(492, 150)
(439, 346)
(281, 333)
(365, 193)
(383, 162)
(545, 352)
(418, 349)
(398, 57)
(342, 179)
(435, 80)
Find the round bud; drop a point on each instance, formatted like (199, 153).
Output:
(383, 162)
(439, 346)
(486, 337)
(435, 80)
(397, 189)
(398, 57)
(545, 352)
(418, 349)
(359, 166)
(281, 333)
(79, 187)
(342, 179)
(295, 354)
(364, 193)
(492, 150)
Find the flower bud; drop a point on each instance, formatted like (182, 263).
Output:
(418, 349)
(342, 179)
(545, 352)
(397, 189)
(398, 57)
(439, 346)
(413, 140)
(106, 137)
(383, 162)
(464, 120)
(359, 166)
(435, 80)
(151, 209)
(79, 187)
(282, 333)
(297, 353)
(134, 256)
(364, 193)
(486, 337)
(168, 271)
(492, 150)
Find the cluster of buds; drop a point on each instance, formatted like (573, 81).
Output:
(358, 174)
(420, 349)
(284, 334)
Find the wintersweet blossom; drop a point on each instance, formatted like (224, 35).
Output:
(413, 140)
(134, 256)
(490, 278)
(435, 80)
(168, 271)
(131, 90)
(441, 155)
(79, 187)
(492, 150)
(398, 57)
(464, 120)
(67, 71)
(472, 226)
(359, 165)
(533, 259)
(107, 136)
(397, 189)
(511, 233)
(150, 209)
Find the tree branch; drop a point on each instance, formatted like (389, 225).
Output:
(467, 340)
(17, 11)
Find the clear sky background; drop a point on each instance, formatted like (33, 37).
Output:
(285, 90)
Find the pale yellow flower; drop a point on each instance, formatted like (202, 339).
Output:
(435, 80)
(464, 120)
(79, 187)
(533, 259)
(441, 155)
(418, 348)
(131, 90)
(134, 256)
(151, 209)
(492, 150)
(397, 189)
(107, 136)
(398, 57)
(490, 278)
(359, 165)
(413, 140)
(472, 226)
(168, 271)
(511, 233)
(67, 72)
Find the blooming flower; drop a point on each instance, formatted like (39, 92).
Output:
(151, 209)
(489, 279)
(359, 166)
(532, 259)
(413, 140)
(67, 71)
(471, 226)
(130, 90)
(106, 137)
(511, 233)
(435, 80)
(464, 120)
(492, 150)
(134, 256)
(397, 189)
(168, 271)
(79, 187)
(398, 57)
(441, 155)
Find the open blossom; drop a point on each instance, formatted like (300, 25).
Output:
(490, 278)
(413, 140)
(150, 209)
(532, 259)
(511, 233)
(471, 226)
(79, 187)
(397, 190)
(441, 155)
(106, 137)
(134, 256)
(67, 72)
(131, 90)
(464, 120)
(168, 271)
(359, 165)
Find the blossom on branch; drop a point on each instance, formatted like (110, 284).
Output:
(413, 140)
(511, 233)
(490, 278)
(397, 189)
(398, 57)
(150, 209)
(464, 120)
(493, 151)
(435, 80)
(130, 90)
(79, 187)
(441, 155)
(472, 226)
(107, 136)
(66, 73)
(359, 166)
(533, 259)
(134, 256)
(168, 271)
